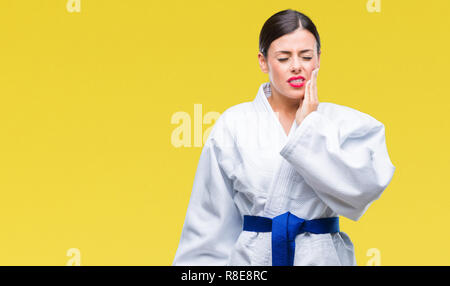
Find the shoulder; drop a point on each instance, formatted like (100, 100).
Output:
(348, 118)
(223, 130)
(238, 110)
(231, 117)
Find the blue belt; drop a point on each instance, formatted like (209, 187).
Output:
(285, 228)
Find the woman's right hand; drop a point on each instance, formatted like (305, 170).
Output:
(310, 100)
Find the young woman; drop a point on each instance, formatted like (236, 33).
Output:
(276, 173)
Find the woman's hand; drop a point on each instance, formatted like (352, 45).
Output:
(310, 100)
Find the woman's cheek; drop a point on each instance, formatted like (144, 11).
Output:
(277, 76)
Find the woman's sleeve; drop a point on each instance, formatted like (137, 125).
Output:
(213, 222)
(347, 167)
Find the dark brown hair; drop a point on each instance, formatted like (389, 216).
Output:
(282, 23)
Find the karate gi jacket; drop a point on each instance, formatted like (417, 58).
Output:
(335, 163)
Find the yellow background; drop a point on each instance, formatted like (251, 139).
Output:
(86, 101)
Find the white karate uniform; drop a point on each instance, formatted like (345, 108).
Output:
(335, 163)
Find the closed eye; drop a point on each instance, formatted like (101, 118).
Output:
(284, 59)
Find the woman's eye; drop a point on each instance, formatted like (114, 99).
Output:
(305, 58)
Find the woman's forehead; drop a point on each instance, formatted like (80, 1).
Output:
(295, 41)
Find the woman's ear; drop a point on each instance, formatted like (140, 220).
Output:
(263, 63)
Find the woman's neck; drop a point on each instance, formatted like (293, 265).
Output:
(286, 107)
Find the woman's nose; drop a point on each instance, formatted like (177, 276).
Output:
(296, 65)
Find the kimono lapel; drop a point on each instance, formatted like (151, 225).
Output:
(282, 179)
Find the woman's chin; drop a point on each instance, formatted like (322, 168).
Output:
(296, 96)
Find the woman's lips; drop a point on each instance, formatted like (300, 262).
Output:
(297, 81)
(297, 84)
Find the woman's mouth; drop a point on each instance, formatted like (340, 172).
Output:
(297, 81)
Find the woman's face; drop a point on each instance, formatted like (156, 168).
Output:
(292, 55)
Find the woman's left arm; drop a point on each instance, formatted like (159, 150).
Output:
(347, 169)
(345, 162)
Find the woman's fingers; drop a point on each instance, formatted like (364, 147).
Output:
(314, 86)
(307, 92)
(310, 99)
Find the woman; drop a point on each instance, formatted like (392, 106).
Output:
(276, 173)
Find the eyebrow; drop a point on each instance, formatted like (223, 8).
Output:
(288, 52)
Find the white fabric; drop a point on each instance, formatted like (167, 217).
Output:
(335, 163)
